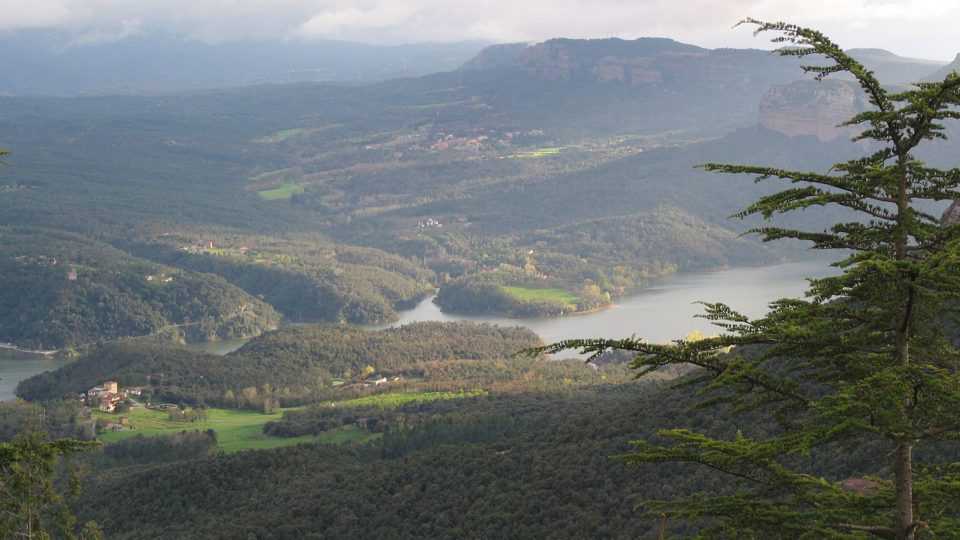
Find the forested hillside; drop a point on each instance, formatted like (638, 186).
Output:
(299, 364)
(516, 178)
(306, 278)
(530, 465)
(59, 290)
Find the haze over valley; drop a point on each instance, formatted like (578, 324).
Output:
(379, 229)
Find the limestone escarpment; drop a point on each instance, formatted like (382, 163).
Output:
(812, 108)
(652, 62)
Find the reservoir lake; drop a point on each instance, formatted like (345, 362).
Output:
(661, 312)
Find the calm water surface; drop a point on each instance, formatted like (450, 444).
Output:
(222, 346)
(12, 371)
(659, 313)
(663, 311)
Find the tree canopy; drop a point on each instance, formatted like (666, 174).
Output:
(865, 359)
(32, 497)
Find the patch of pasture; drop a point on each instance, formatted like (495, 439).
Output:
(559, 295)
(281, 193)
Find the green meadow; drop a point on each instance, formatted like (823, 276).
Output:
(239, 430)
(392, 401)
(539, 152)
(236, 430)
(281, 193)
(559, 295)
(287, 134)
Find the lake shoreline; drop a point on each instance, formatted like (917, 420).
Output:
(12, 352)
(664, 311)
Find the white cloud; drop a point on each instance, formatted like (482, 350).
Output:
(348, 19)
(911, 27)
(125, 28)
(49, 13)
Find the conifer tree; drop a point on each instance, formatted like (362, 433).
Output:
(865, 359)
(31, 500)
(29, 494)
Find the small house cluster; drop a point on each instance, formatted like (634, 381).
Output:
(158, 277)
(108, 395)
(444, 141)
(124, 423)
(375, 380)
(199, 249)
(429, 223)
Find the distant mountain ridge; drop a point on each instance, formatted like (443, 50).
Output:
(662, 82)
(645, 60)
(636, 62)
(893, 69)
(38, 62)
(44, 62)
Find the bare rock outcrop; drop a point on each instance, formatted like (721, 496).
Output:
(812, 108)
(951, 215)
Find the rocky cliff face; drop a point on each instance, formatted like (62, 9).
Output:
(640, 62)
(812, 108)
(557, 63)
(654, 85)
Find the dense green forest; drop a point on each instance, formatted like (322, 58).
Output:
(532, 460)
(59, 290)
(535, 464)
(594, 260)
(394, 495)
(306, 278)
(300, 364)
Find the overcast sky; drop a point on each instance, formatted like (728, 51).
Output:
(920, 28)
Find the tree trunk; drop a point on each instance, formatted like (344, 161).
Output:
(903, 485)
